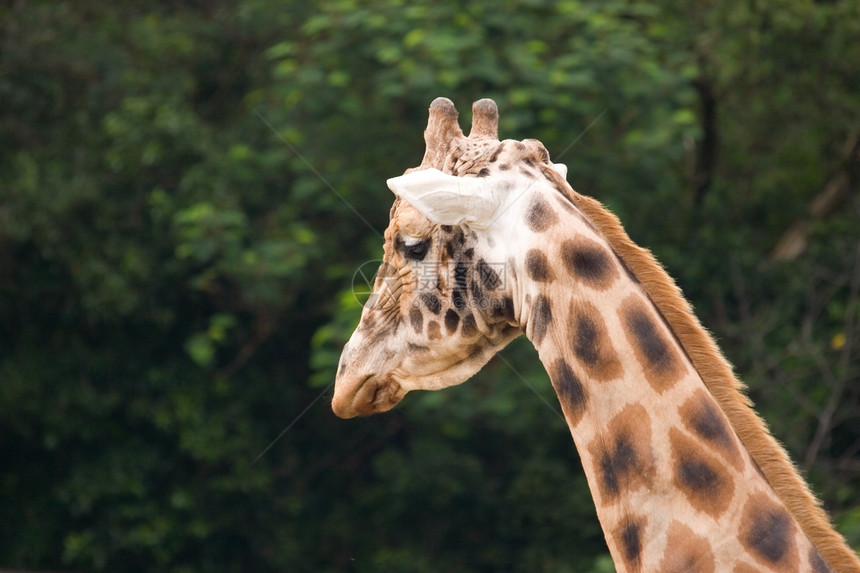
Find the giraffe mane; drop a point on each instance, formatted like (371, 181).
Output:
(721, 382)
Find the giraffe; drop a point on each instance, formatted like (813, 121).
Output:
(487, 241)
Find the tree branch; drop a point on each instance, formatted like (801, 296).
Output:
(836, 191)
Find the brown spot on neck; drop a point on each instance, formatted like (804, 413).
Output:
(628, 536)
(570, 390)
(623, 456)
(539, 215)
(767, 531)
(540, 319)
(661, 361)
(590, 262)
(686, 551)
(702, 417)
(537, 266)
(702, 478)
(591, 343)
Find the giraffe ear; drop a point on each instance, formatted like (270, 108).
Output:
(560, 168)
(446, 199)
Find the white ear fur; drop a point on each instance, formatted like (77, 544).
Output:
(560, 168)
(448, 200)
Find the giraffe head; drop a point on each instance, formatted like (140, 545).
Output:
(445, 299)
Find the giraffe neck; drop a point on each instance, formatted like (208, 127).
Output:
(674, 487)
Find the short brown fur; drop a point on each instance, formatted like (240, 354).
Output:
(768, 533)
(591, 344)
(662, 368)
(701, 477)
(625, 458)
(702, 419)
(686, 551)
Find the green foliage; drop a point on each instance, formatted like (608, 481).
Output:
(187, 191)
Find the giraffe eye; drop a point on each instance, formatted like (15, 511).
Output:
(414, 249)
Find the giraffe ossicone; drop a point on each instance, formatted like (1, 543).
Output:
(487, 242)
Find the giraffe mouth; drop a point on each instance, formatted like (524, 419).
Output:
(366, 396)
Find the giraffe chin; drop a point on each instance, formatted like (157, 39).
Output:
(366, 396)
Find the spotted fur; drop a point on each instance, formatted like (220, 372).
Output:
(673, 451)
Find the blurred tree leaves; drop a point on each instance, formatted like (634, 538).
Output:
(186, 191)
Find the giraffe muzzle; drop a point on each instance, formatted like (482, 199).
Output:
(365, 395)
